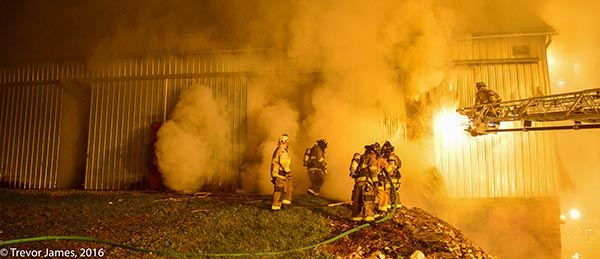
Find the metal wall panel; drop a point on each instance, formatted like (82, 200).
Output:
(30, 122)
(119, 135)
(130, 93)
(520, 164)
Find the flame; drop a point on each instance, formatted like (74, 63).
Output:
(448, 126)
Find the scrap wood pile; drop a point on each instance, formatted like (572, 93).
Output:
(410, 233)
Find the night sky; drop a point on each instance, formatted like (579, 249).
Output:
(39, 29)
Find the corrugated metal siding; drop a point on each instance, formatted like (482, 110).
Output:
(30, 122)
(230, 91)
(119, 133)
(129, 94)
(505, 164)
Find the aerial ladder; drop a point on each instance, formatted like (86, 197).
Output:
(582, 108)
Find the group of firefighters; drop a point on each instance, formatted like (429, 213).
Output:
(374, 173)
(281, 174)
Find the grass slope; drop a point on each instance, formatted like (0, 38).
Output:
(224, 224)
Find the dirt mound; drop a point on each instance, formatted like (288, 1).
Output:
(410, 230)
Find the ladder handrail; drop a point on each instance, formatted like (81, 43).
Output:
(576, 106)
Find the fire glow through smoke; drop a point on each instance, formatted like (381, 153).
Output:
(449, 126)
(358, 45)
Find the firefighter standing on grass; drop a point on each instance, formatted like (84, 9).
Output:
(387, 151)
(281, 174)
(316, 166)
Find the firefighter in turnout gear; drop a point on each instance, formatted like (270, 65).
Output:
(366, 183)
(387, 151)
(316, 166)
(384, 184)
(363, 194)
(281, 174)
(360, 178)
(485, 95)
(375, 166)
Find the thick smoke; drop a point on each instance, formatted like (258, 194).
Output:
(188, 145)
(341, 83)
(573, 62)
(358, 49)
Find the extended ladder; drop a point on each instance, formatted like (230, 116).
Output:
(579, 107)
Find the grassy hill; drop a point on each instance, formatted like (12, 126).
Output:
(167, 225)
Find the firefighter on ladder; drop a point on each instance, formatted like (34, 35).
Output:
(281, 174)
(485, 95)
(482, 97)
(316, 166)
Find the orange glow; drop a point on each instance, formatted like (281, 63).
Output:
(575, 214)
(448, 126)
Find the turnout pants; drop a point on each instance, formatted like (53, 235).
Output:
(282, 191)
(357, 199)
(317, 177)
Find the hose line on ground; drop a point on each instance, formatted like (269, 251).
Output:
(143, 250)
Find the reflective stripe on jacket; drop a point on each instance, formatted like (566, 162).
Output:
(280, 164)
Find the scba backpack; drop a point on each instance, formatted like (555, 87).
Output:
(306, 157)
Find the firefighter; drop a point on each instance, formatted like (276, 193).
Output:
(388, 152)
(360, 178)
(316, 166)
(485, 95)
(281, 174)
(384, 184)
(375, 165)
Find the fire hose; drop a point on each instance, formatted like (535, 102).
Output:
(168, 253)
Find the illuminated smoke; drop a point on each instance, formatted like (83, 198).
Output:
(574, 59)
(357, 48)
(189, 143)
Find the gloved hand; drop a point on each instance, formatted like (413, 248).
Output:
(273, 180)
(289, 175)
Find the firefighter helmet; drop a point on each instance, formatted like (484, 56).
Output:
(480, 85)
(322, 143)
(284, 138)
(387, 147)
(376, 147)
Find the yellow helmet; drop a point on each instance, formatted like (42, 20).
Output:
(284, 138)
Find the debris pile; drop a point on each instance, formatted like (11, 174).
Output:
(410, 233)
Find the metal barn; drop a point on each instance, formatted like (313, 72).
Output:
(499, 178)
(75, 125)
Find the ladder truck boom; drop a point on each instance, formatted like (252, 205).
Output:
(579, 107)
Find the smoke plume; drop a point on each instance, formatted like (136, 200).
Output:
(188, 143)
(340, 80)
